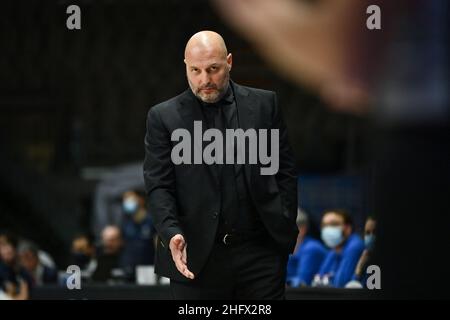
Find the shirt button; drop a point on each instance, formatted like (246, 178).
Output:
(215, 215)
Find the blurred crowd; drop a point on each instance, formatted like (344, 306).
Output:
(340, 260)
(112, 257)
(115, 256)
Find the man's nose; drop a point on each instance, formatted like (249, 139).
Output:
(204, 78)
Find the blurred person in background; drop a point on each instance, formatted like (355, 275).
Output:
(399, 74)
(12, 293)
(137, 229)
(29, 259)
(366, 257)
(15, 280)
(44, 257)
(345, 246)
(308, 255)
(109, 255)
(83, 254)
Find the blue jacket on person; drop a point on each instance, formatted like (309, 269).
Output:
(305, 262)
(340, 267)
(139, 248)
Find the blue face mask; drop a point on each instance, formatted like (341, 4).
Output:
(332, 236)
(130, 206)
(369, 241)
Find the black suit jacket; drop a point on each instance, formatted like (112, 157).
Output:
(185, 198)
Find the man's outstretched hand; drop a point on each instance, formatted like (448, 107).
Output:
(177, 247)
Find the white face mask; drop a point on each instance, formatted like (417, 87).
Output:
(130, 206)
(332, 236)
(369, 241)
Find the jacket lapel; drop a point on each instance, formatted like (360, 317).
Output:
(245, 104)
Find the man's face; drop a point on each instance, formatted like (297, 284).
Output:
(132, 202)
(81, 245)
(335, 220)
(7, 253)
(112, 241)
(29, 260)
(370, 226)
(302, 230)
(208, 73)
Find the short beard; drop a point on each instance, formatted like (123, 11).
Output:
(212, 97)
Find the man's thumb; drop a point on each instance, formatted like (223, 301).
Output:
(181, 244)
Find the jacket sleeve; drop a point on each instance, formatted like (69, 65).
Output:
(159, 177)
(310, 262)
(348, 263)
(286, 176)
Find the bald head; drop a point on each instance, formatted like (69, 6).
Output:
(208, 65)
(111, 239)
(206, 42)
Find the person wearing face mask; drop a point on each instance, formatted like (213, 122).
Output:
(346, 248)
(369, 242)
(83, 254)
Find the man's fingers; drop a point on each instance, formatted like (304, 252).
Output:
(184, 255)
(179, 255)
(188, 274)
(182, 268)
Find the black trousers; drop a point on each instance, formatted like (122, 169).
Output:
(254, 269)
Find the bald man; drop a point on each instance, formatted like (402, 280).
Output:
(225, 228)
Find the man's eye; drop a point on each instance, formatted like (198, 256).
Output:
(213, 68)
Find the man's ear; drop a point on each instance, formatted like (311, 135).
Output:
(229, 61)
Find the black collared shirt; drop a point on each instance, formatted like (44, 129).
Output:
(227, 106)
(237, 213)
